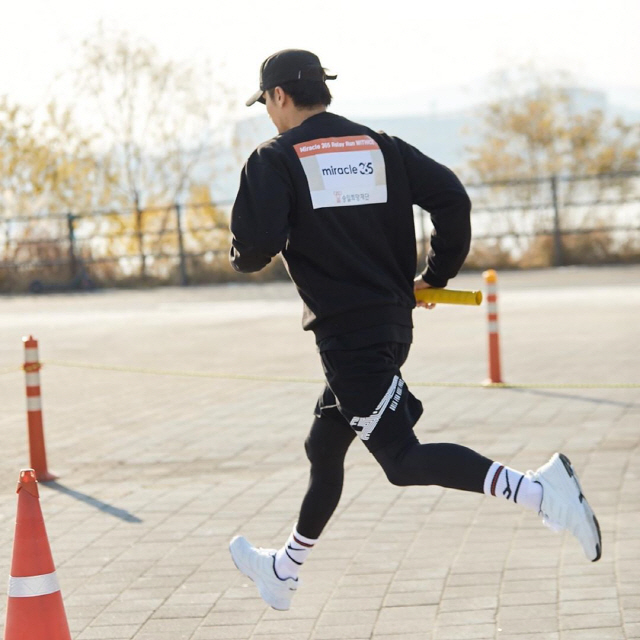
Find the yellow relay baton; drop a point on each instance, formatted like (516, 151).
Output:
(449, 296)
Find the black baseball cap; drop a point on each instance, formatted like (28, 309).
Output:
(288, 65)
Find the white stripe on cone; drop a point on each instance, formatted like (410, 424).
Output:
(493, 326)
(33, 586)
(31, 355)
(34, 403)
(33, 379)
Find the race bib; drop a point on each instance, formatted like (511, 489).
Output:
(344, 172)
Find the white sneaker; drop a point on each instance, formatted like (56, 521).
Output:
(564, 506)
(259, 565)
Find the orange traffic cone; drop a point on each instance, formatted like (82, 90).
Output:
(34, 609)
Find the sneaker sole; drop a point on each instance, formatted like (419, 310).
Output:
(585, 505)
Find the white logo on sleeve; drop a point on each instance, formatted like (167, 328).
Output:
(344, 172)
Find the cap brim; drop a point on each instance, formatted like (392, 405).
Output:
(256, 97)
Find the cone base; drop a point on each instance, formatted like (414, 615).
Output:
(46, 476)
(37, 618)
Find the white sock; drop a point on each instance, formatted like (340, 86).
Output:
(291, 557)
(513, 486)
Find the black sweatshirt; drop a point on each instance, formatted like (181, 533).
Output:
(335, 198)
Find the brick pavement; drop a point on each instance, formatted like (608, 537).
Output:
(157, 472)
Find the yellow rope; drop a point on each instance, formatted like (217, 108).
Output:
(265, 378)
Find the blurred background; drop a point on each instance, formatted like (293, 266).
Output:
(123, 127)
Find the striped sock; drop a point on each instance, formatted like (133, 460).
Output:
(291, 557)
(513, 486)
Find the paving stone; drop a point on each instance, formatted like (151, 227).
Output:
(158, 471)
(111, 632)
(525, 625)
(465, 632)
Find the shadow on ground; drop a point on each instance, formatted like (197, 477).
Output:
(123, 514)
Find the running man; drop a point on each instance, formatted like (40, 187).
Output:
(336, 200)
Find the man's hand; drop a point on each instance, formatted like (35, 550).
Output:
(418, 284)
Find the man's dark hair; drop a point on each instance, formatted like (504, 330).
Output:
(305, 93)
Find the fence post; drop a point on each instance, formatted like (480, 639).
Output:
(184, 279)
(140, 235)
(73, 261)
(491, 281)
(558, 250)
(37, 450)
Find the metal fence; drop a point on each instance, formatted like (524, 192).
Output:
(83, 249)
(569, 219)
(181, 244)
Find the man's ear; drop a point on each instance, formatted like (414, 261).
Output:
(280, 96)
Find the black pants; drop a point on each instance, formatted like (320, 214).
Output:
(366, 397)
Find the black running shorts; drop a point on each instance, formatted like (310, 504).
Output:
(365, 388)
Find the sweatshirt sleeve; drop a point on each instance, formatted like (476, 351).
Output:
(260, 214)
(436, 189)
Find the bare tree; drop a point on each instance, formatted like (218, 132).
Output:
(154, 121)
(46, 163)
(535, 127)
(540, 128)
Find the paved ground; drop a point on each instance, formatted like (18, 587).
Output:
(159, 470)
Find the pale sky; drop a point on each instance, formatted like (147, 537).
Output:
(392, 57)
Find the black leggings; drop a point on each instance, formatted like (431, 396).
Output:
(405, 462)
